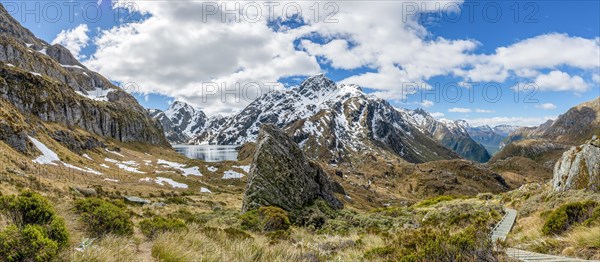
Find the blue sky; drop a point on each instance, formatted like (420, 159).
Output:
(115, 45)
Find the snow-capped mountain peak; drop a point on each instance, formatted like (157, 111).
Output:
(180, 121)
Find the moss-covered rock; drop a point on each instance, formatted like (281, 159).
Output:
(282, 176)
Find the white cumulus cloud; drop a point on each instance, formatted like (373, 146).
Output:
(546, 106)
(437, 114)
(426, 103)
(74, 39)
(459, 110)
(561, 81)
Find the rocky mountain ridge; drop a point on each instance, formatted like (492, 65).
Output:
(330, 122)
(180, 121)
(452, 134)
(47, 82)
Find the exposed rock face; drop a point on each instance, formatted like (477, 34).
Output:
(579, 168)
(47, 82)
(282, 176)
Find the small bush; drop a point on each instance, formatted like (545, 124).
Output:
(561, 219)
(158, 224)
(176, 200)
(187, 216)
(379, 252)
(37, 233)
(102, 217)
(266, 219)
(594, 219)
(314, 216)
(425, 244)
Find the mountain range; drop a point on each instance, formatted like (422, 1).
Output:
(331, 121)
(543, 145)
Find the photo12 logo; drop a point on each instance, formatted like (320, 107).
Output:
(471, 12)
(69, 11)
(253, 12)
(455, 92)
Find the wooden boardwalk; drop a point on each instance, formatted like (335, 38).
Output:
(503, 228)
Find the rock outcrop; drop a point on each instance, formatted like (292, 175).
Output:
(579, 168)
(282, 176)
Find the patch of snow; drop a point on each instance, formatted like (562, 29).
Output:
(43, 51)
(35, 73)
(97, 94)
(72, 66)
(129, 169)
(48, 156)
(10, 65)
(87, 156)
(194, 171)
(130, 163)
(230, 174)
(105, 166)
(245, 168)
(212, 169)
(173, 183)
(87, 169)
(111, 180)
(205, 190)
(110, 160)
(113, 152)
(163, 180)
(28, 45)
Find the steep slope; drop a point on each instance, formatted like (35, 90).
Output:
(574, 127)
(332, 122)
(47, 82)
(180, 121)
(546, 143)
(451, 134)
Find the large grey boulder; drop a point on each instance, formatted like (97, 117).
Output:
(579, 168)
(282, 176)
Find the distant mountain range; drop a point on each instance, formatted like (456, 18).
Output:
(545, 144)
(333, 121)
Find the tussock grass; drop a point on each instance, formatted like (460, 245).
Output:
(205, 244)
(108, 249)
